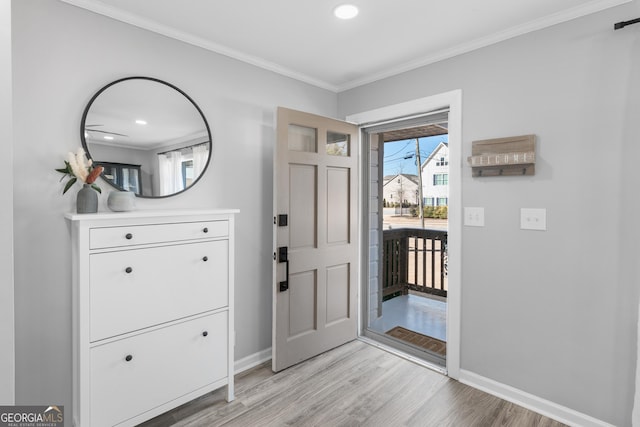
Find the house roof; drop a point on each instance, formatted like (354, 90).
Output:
(388, 178)
(433, 153)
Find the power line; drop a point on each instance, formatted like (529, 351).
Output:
(406, 145)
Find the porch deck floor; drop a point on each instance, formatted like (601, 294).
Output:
(419, 314)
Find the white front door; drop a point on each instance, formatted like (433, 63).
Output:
(316, 234)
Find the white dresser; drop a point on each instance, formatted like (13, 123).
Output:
(152, 312)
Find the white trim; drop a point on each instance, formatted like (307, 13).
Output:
(252, 360)
(403, 355)
(7, 276)
(535, 25)
(165, 30)
(509, 33)
(452, 100)
(537, 404)
(412, 108)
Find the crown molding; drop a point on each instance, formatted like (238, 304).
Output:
(150, 25)
(591, 7)
(529, 27)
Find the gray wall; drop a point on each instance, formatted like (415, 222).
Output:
(550, 313)
(62, 55)
(6, 213)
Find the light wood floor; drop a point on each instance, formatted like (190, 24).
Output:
(353, 385)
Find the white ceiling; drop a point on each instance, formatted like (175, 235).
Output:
(302, 39)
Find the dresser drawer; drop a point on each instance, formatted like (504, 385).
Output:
(136, 288)
(165, 364)
(111, 237)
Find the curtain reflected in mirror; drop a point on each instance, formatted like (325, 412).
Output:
(179, 168)
(151, 138)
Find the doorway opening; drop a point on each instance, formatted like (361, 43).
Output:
(371, 231)
(409, 182)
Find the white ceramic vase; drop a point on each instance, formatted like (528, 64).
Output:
(121, 201)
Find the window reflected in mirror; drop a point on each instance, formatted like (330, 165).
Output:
(124, 176)
(179, 168)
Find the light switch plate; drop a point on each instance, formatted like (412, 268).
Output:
(474, 217)
(533, 219)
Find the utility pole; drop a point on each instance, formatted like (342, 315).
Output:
(419, 165)
(401, 194)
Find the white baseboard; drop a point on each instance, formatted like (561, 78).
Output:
(252, 360)
(542, 406)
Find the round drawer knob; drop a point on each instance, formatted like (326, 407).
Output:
(128, 358)
(205, 230)
(128, 236)
(128, 270)
(205, 258)
(205, 333)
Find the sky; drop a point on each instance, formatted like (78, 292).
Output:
(395, 153)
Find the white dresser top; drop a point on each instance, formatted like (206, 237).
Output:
(147, 213)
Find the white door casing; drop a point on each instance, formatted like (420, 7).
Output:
(453, 101)
(315, 283)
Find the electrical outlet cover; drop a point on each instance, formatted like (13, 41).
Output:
(474, 217)
(533, 219)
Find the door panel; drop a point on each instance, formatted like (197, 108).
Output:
(338, 286)
(315, 165)
(302, 303)
(302, 206)
(338, 214)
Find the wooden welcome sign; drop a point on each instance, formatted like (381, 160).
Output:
(510, 156)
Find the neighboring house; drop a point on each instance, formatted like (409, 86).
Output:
(400, 188)
(435, 177)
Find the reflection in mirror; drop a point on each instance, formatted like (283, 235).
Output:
(150, 137)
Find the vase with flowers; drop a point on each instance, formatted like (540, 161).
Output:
(79, 168)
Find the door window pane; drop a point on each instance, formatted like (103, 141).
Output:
(337, 144)
(302, 138)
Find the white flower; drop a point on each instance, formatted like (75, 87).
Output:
(78, 164)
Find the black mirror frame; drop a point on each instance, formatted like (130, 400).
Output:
(95, 96)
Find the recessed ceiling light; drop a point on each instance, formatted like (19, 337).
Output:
(109, 137)
(141, 122)
(346, 11)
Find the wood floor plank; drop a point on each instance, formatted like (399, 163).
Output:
(312, 390)
(353, 385)
(514, 415)
(399, 408)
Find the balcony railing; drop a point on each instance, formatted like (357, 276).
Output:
(414, 259)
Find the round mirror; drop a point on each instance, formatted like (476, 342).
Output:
(149, 136)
